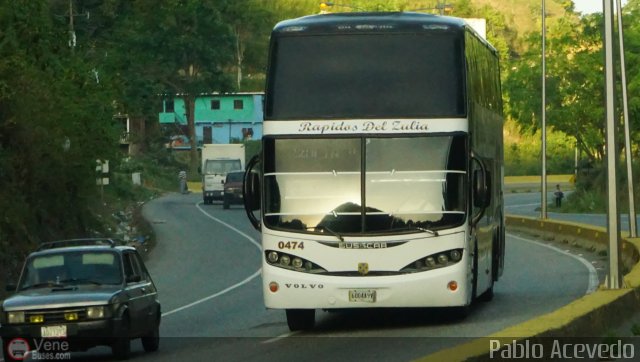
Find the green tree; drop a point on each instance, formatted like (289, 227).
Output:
(574, 84)
(189, 47)
(251, 23)
(55, 121)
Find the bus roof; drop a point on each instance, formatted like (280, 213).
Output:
(374, 22)
(369, 21)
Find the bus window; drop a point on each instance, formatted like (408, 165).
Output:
(312, 185)
(308, 179)
(361, 75)
(406, 183)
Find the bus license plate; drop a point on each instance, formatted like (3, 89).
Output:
(362, 295)
(54, 331)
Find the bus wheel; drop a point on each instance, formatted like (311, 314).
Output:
(487, 296)
(474, 273)
(459, 313)
(301, 319)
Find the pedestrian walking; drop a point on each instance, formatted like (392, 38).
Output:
(559, 195)
(182, 177)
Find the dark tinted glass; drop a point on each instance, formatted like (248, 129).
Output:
(235, 177)
(366, 75)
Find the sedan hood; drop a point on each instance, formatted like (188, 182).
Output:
(72, 296)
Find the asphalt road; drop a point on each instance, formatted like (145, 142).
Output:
(528, 204)
(206, 267)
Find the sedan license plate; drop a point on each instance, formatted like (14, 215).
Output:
(362, 295)
(54, 331)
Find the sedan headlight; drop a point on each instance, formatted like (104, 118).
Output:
(15, 317)
(96, 312)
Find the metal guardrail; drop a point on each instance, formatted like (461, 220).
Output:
(589, 316)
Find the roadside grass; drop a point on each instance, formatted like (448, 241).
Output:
(562, 179)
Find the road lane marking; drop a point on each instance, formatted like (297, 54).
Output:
(593, 273)
(521, 205)
(252, 240)
(226, 290)
(282, 336)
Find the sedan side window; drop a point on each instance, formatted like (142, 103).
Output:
(144, 274)
(131, 268)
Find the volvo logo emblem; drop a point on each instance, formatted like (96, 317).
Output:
(363, 268)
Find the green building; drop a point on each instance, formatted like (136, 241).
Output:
(219, 118)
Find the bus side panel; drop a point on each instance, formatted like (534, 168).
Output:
(486, 142)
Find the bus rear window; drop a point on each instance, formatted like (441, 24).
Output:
(366, 75)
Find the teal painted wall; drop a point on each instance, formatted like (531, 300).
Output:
(226, 122)
(204, 113)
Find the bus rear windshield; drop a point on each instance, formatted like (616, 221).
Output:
(367, 76)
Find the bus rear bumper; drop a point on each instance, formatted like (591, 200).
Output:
(297, 290)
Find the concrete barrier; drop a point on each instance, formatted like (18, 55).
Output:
(589, 316)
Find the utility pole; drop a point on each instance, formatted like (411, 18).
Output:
(613, 220)
(633, 228)
(543, 186)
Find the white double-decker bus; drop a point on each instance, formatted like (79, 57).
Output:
(380, 178)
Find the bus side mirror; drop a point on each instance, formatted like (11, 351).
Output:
(251, 190)
(481, 188)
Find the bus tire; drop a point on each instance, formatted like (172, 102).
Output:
(301, 319)
(487, 296)
(460, 313)
(474, 273)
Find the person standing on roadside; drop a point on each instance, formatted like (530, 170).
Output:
(559, 195)
(182, 177)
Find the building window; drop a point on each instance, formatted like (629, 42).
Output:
(238, 104)
(247, 134)
(168, 106)
(215, 104)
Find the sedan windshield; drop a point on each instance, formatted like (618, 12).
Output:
(365, 185)
(66, 268)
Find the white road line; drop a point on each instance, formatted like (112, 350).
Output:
(521, 205)
(252, 240)
(226, 290)
(271, 340)
(593, 273)
(282, 336)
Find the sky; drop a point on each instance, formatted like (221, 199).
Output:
(592, 6)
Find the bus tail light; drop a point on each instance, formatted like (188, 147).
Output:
(273, 287)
